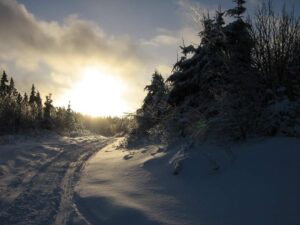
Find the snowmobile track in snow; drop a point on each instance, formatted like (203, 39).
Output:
(48, 197)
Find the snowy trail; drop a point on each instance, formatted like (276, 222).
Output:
(48, 197)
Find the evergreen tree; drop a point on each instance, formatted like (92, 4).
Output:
(238, 10)
(156, 91)
(196, 74)
(19, 99)
(218, 82)
(38, 101)
(3, 85)
(69, 119)
(19, 112)
(240, 102)
(25, 98)
(32, 97)
(48, 109)
(219, 18)
(154, 105)
(238, 37)
(206, 33)
(26, 118)
(12, 91)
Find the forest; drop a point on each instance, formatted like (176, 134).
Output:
(28, 113)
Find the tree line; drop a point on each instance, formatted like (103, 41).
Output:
(242, 80)
(20, 113)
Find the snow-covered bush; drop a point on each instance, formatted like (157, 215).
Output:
(281, 116)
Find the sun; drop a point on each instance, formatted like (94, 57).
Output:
(98, 93)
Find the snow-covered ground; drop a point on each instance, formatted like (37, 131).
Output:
(253, 183)
(38, 175)
(50, 179)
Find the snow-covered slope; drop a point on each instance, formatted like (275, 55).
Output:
(252, 183)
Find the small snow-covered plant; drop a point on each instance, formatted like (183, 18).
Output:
(281, 115)
(177, 160)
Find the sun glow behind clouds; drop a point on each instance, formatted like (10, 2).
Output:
(98, 93)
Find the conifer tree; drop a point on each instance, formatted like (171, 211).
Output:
(33, 108)
(153, 106)
(219, 18)
(240, 101)
(38, 101)
(12, 91)
(69, 119)
(238, 10)
(48, 108)
(19, 112)
(239, 40)
(3, 85)
(155, 90)
(205, 34)
(32, 97)
(25, 98)
(26, 118)
(19, 99)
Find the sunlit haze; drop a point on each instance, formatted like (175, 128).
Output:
(98, 93)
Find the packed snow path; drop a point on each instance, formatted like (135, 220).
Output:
(47, 196)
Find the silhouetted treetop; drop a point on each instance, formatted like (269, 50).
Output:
(238, 10)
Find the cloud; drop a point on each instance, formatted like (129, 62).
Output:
(161, 39)
(51, 54)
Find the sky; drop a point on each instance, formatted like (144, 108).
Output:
(98, 54)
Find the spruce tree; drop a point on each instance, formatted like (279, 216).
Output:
(155, 90)
(32, 97)
(12, 91)
(240, 99)
(194, 76)
(25, 98)
(38, 101)
(33, 108)
(205, 34)
(3, 85)
(239, 40)
(238, 10)
(48, 108)
(19, 99)
(153, 106)
(69, 119)
(26, 120)
(19, 112)
(219, 20)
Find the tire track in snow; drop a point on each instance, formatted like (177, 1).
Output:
(48, 197)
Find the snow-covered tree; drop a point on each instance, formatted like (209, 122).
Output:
(153, 106)
(238, 10)
(39, 106)
(48, 112)
(69, 119)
